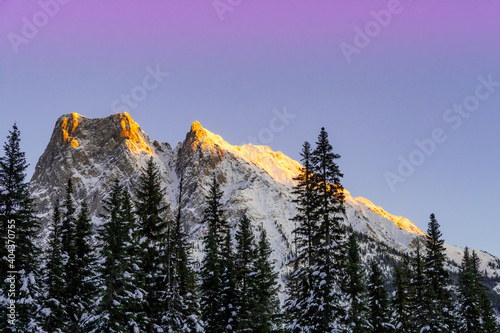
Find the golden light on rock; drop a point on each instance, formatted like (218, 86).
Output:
(67, 135)
(131, 130)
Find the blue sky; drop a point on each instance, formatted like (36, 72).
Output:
(232, 67)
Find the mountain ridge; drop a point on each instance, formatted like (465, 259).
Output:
(255, 180)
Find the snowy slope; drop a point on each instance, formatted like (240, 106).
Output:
(255, 179)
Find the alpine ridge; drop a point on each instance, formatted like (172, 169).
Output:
(255, 180)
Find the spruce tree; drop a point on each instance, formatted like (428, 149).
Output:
(18, 230)
(229, 292)
(119, 296)
(378, 301)
(400, 302)
(329, 263)
(186, 276)
(300, 282)
(82, 285)
(470, 313)
(355, 288)
(152, 236)
(213, 267)
(476, 312)
(266, 318)
(421, 296)
(54, 313)
(443, 317)
(245, 275)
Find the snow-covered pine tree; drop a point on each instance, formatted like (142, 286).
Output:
(378, 301)
(245, 270)
(185, 279)
(212, 268)
(329, 264)
(152, 236)
(267, 317)
(18, 229)
(401, 318)
(83, 283)
(422, 297)
(443, 316)
(229, 292)
(470, 308)
(300, 281)
(117, 306)
(477, 314)
(355, 289)
(54, 313)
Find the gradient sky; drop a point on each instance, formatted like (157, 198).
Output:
(264, 55)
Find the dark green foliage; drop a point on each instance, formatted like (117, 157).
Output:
(355, 288)
(119, 302)
(18, 230)
(421, 296)
(267, 310)
(442, 316)
(400, 302)
(476, 311)
(245, 275)
(214, 292)
(315, 296)
(54, 311)
(152, 237)
(378, 301)
(82, 284)
(300, 282)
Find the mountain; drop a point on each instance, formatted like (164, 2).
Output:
(255, 179)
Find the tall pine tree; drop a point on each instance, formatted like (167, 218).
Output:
(152, 236)
(54, 312)
(18, 252)
(300, 282)
(119, 299)
(355, 288)
(443, 315)
(329, 263)
(245, 275)
(213, 296)
(401, 318)
(378, 301)
(267, 317)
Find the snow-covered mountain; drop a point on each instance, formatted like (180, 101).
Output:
(255, 179)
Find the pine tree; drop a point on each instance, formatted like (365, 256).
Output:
(421, 296)
(378, 301)
(18, 230)
(329, 263)
(400, 302)
(245, 275)
(119, 296)
(186, 279)
(152, 236)
(300, 283)
(470, 307)
(229, 292)
(266, 317)
(83, 283)
(54, 313)
(477, 314)
(212, 307)
(355, 288)
(442, 315)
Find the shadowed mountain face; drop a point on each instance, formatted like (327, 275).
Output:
(255, 179)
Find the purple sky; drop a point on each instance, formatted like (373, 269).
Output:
(270, 55)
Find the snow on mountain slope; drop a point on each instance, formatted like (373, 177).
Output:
(255, 180)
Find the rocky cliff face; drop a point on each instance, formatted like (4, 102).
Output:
(255, 179)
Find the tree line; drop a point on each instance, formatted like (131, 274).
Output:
(133, 271)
